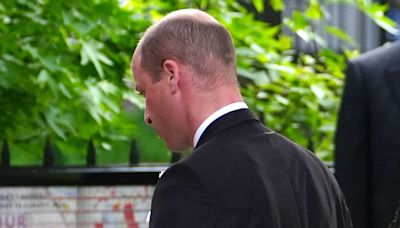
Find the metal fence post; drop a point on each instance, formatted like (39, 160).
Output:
(48, 158)
(91, 154)
(133, 154)
(5, 155)
(175, 157)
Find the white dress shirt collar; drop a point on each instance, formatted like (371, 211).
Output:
(220, 112)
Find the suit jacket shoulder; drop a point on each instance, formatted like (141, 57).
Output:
(387, 55)
(252, 177)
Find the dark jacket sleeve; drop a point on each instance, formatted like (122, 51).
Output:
(351, 152)
(181, 200)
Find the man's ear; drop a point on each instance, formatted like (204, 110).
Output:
(172, 72)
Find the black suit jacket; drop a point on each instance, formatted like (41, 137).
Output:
(368, 137)
(243, 175)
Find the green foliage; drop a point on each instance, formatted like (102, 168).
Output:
(63, 66)
(65, 74)
(296, 94)
(373, 10)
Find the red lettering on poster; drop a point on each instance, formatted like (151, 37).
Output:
(130, 216)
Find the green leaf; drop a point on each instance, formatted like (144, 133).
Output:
(386, 24)
(259, 5)
(299, 20)
(377, 13)
(277, 5)
(319, 91)
(135, 99)
(340, 34)
(314, 11)
(91, 52)
(351, 54)
(52, 121)
(281, 68)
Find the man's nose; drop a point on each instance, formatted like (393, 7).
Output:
(147, 119)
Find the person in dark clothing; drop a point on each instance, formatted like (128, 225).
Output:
(368, 137)
(240, 174)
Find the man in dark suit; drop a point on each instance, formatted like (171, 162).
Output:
(368, 137)
(240, 174)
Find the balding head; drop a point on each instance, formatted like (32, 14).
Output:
(192, 14)
(193, 38)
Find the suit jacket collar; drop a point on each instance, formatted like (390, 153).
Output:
(224, 122)
(393, 79)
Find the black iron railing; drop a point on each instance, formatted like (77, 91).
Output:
(91, 174)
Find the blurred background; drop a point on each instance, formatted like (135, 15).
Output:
(66, 89)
